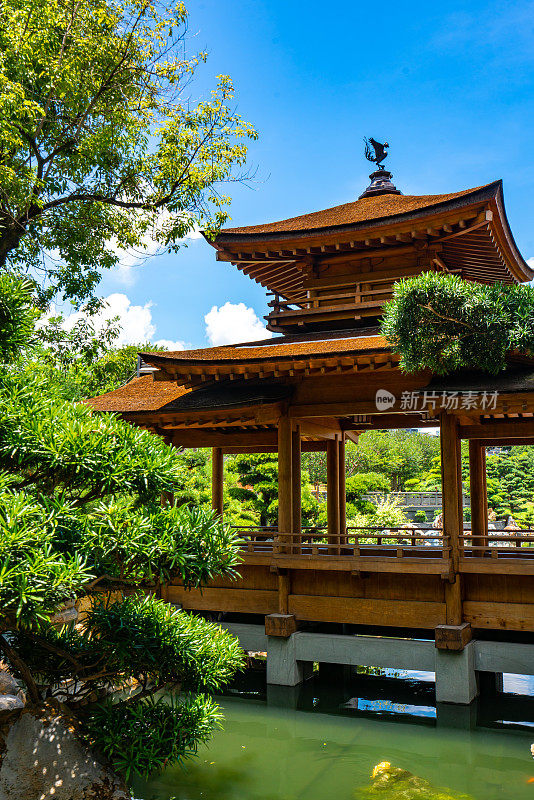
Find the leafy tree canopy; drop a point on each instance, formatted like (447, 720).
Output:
(363, 482)
(257, 486)
(100, 146)
(443, 323)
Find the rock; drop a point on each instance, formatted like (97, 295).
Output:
(10, 702)
(8, 684)
(43, 758)
(65, 614)
(393, 783)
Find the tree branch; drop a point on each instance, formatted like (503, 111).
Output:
(18, 664)
(447, 319)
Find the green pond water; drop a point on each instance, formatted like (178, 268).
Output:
(322, 741)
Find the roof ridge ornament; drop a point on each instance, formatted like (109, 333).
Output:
(381, 178)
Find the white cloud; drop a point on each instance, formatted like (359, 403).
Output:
(530, 262)
(136, 324)
(234, 322)
(168, 344)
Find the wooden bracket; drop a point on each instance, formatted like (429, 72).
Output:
(281, 625)
(453, 637)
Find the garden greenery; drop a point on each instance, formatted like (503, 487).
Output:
(443, 323)
(81, 519)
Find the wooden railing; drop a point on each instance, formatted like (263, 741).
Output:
(357, 294)
(399, 542)
(498, 544)
(413, 499)
(395, 543)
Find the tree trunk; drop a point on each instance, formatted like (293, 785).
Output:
(9, 240)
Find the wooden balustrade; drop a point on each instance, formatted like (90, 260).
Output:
(345, 298)
(498, 544)
(399, 542)
(396, 542)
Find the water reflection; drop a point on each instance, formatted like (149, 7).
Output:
(322, 740)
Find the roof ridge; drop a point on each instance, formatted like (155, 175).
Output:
(395, 202)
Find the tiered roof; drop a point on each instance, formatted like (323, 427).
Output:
(178, 371)
(465, 232)
(470, 227)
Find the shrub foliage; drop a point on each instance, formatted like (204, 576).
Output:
(443, 323)
(81, 518)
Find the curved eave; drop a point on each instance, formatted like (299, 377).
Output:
(506, 239)
(281, 254)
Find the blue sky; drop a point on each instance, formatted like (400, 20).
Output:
(450, 86)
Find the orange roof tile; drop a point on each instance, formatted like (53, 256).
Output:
(274, 351)
(140, 394)
(364, 210)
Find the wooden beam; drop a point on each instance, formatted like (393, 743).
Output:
(505, 442)
(306, 447)
(478, 489)
(233, 438)
(513, 429)
(284, 588)
(217, 480)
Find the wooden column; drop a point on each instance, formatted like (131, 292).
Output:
(285, 489)
(332, 492)
(342, 491)
(217, 472)
(296, 481)
(451, 486)
(479, 496)
(284, 589)
(167, 498)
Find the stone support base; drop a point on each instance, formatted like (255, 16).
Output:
(283, 668)
(455, 675)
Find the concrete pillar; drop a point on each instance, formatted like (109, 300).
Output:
(283, 668)
(456, 716)
(456, 680)
(286, 697)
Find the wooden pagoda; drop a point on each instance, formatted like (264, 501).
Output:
(327, 376)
